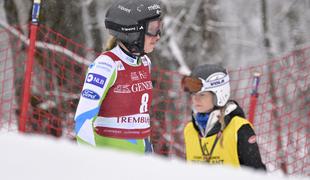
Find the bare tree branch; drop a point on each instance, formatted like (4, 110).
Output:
(48, 46)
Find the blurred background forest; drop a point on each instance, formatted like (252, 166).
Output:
(233, 33)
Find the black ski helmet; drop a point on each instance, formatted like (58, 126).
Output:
(127, 21)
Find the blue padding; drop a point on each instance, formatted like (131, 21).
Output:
(133, 141)
(79, 121)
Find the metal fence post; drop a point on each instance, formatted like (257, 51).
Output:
(29, 64)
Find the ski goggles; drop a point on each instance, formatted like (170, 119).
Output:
(191, 84)
(195, 85)
(154, 28)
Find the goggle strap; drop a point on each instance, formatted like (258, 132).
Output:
(121, 28)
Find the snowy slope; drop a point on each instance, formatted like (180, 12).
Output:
(42, 158)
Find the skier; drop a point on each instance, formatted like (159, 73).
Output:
(218, 132)
(114, 105)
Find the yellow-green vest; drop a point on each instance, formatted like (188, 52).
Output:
(225, 150)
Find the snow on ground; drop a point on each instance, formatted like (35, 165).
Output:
(44, 158)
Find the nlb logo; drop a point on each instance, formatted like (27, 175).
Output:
(89, 94)
(96, 79)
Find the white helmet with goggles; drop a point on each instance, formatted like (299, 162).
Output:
(209, 77)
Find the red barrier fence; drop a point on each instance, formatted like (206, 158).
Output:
(281, 119)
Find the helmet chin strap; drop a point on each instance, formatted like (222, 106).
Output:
(137, 47)
(129, 50)
(132, 49)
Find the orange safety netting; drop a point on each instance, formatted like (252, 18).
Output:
(282, 116)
